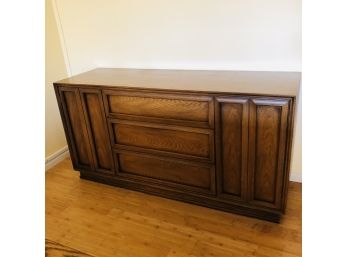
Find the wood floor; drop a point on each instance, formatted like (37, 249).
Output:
(97, 220)
(53, 249)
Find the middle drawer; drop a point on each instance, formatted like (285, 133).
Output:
(165, 140)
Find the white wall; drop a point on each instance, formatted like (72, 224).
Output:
(55, 70)
(186, 34)
(205, 34)
(296, 161)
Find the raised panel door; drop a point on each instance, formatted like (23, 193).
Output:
(92, 103)
(75, 128)
(231, 117)
(268, 128)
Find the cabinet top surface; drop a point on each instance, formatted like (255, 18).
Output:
(248, 82)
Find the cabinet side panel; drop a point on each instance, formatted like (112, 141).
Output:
(99, 131)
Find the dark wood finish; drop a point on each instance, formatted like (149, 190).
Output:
(229, 151)
(267, 144)
(288, 152)
(169, 140)
(195, 81)
(232, 115)
(178, 109)
(92, 104)
(180, 174)
(75, 126)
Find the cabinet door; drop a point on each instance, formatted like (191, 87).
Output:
(268, 128)
(75, 128)
(92, 103)
(231, 117)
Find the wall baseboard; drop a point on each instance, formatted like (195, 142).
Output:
(296, 177)
(56, 158)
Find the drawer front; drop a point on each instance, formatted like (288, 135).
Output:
(197, 111)
(186, 175)
(175, 141)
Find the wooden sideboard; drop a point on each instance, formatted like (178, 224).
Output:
(220, 139)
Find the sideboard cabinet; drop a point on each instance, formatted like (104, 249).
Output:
(201, 137)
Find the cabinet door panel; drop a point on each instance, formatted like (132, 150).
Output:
(92, 103)
(232, 144)
(74, 123)
(267, 144)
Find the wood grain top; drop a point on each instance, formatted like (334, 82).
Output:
(247, 82)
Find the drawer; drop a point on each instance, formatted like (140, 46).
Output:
(178, 109)
(166, 140)
(184, 175)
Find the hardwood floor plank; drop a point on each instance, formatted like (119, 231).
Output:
(106, 221)
(54, 249)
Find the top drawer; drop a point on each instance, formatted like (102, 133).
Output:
(178, 109)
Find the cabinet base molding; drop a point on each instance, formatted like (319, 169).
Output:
(268, 215)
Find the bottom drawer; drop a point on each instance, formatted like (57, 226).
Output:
(184, 175)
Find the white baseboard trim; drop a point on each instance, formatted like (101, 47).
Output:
(56, 158)
(296, 177)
